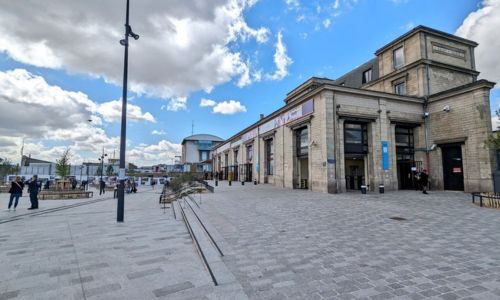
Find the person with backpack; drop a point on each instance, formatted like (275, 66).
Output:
(16, 191)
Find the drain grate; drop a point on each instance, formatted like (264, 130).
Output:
(397, 218)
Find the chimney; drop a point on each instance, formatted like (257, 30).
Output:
(261, 116)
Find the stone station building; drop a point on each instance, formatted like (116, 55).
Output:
(416, 105)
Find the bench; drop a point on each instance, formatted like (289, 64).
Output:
(487, 199)
(52, 195)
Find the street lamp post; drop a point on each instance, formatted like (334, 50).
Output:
(121, 172)
(102, 161)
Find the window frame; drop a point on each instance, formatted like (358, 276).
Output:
(364, 79)
(300, 150)
(356, 147)
(400, 83)
(396, 66)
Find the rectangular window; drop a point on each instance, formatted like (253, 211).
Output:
(367, 76)
(398, 58)
(400, 88)
(235, 157)
(249, 153)
(404, 143)
(302, 141)
(355, 138)
(204, 155)
(269, 157)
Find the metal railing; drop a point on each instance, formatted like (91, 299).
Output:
(487, 199)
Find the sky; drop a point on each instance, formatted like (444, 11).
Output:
(207, 66)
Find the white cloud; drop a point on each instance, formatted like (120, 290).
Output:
(190, 39)
(207, 102)
(336, 4)
(281, 60)
(112, 112)
(482, 26)
(291, 4)
(228, 107)
(40, 112)
(158, 132)
(495, 123)
(163, 152)
(327, 23)
(178, 103)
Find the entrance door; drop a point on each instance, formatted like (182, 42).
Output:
(405, 175)
(354, 173)
(453, 176)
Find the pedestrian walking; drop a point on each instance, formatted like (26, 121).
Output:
(153, 182)
(424, 180)
(34, 187)
(16, 191)
(102, 185)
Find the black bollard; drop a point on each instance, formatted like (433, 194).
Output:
(255, 182)
(216, 183)
(363, 189)
(381, 189)
(229, 182)
(242, 183)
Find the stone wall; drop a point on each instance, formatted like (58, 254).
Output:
(468, 120)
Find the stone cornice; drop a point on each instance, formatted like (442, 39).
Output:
(461, 90)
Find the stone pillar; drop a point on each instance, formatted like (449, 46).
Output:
(340, 161)
(329, 142)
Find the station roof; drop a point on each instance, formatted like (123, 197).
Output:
(202, 137)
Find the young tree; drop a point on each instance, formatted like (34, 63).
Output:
(62, 164)
(493, 142)
(6, 168)
(110, 171)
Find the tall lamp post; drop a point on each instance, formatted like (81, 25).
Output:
(101, 159)
(121, 172)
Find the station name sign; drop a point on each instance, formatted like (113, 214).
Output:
(291, 115)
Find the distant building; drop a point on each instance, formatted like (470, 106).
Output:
(196, 152)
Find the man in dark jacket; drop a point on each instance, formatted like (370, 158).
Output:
(102, 185)
(33, 189)
(424, 180)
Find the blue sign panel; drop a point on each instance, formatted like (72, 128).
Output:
(385, 155)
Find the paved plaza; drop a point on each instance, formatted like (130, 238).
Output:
(283, 243)
(277, 244)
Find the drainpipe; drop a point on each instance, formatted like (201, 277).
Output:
(426, 133)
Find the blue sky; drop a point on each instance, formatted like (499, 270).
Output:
(320, 38)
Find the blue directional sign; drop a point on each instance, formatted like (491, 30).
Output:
(385, 155)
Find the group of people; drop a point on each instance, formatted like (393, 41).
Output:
(16, 191)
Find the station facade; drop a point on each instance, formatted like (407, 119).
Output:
(416, 105)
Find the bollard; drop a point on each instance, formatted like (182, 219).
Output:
(381, 189)
(229, 182)
(216, 183)
(363, 189)
(255, 182)
(242, 183)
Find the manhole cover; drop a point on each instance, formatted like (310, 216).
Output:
(397, 218)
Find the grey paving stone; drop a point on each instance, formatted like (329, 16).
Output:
(9, 295)
(172, 289)
(102, 289)
(59, 272)
(144, 273)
